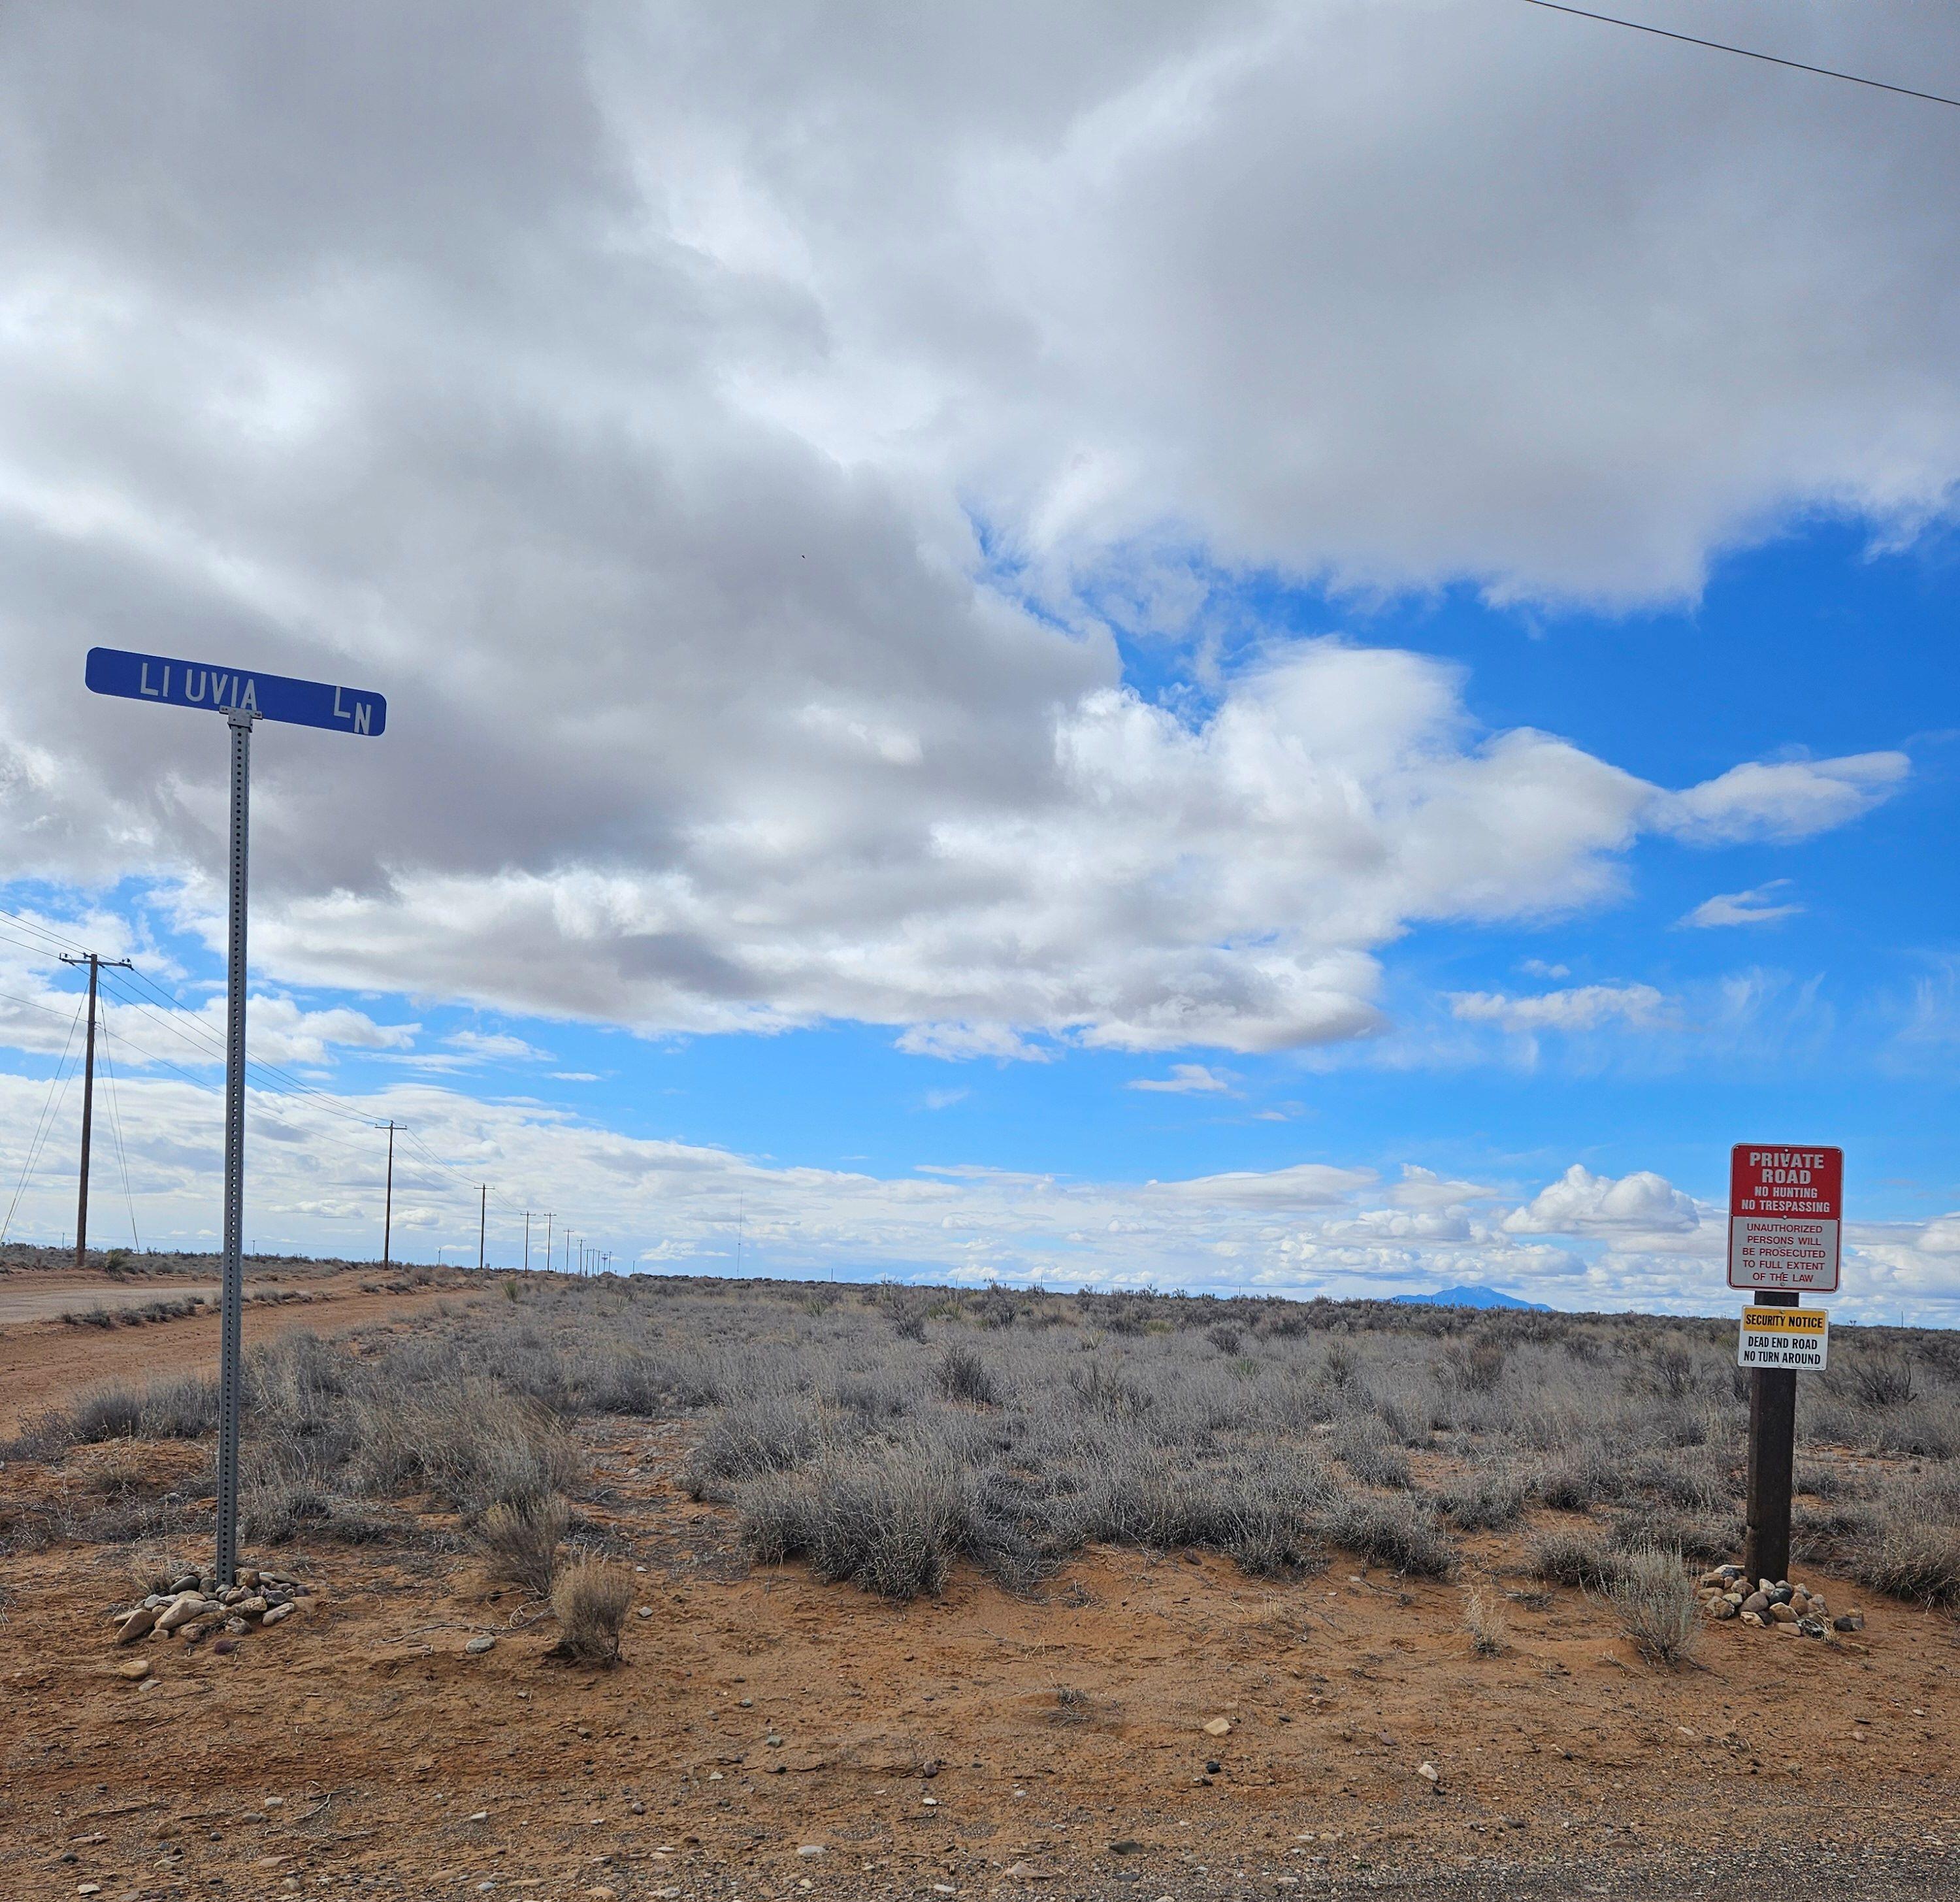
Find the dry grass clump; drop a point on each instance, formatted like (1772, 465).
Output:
(1654, 1598)
(520, 1538)
(962, 1376)
(770, 1434)
(590, 1599)
(1485, 1619)
(885, 1520)
(1402, 1534)
(471, 1445)
(1575, 1558)
(1486, 1502)
(1910, 1546)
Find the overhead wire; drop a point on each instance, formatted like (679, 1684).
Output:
(191, 1024)
(115, 1130)
(1744, 52)
(41, 930)
(187, 1026)
(50, 1109)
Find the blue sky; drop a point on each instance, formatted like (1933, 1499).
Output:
(1086, 668)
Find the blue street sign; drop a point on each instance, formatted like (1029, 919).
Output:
(273, 696)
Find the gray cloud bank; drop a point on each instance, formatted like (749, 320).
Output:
(709, 429)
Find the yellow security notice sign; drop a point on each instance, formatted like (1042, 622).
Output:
(1795, 1340)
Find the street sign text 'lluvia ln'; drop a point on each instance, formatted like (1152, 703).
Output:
(271, 696)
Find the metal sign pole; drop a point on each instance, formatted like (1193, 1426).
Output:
(231, 1371)
(242, 696)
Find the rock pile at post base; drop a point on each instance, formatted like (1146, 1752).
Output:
(196, 1607)
(1727, 1593)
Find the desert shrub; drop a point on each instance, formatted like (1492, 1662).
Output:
(1402, 1534)
(519, 1540)
(109, 1413)
(963, 1375)
(591, 1598)
(1654, 1599)
(1912, 1549)
(1485, 1502)
(1261, 1512)
(1577, 1480)
(1882, 1380)
(1226, 1337)
(1475, 1367)
(1670, 1369)
(1712, 1535)
(1363, 1448)
(774, 1434)
(1488, 1627)
(1578, 1559)
(885, 1520)
(278, 1502)
(1102, 1391)
(1919, 1429)
(472, 1445)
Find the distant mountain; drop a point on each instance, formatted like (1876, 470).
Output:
(1470, 1297)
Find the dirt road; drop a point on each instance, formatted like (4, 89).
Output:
(44, 1362)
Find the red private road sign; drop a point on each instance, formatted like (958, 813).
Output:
(1785, 1206)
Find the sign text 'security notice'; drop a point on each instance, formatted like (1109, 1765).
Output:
(1785, 1208)
(1796, 1339)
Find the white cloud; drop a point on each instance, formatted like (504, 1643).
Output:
(1424, 1191)
(1758, 906)
(1580, 1203)
(1303, 1185)
(314, 1181)
(626, 413)
(496, 1047)
(962, 1042)
(1784, 799)
(1537, 968)
(1187, 1079)
(1585, 1007)
(944, 1098)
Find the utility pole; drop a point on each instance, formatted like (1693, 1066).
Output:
(388, 1206)
(95, 965)
(548, 1215)
(482, 1213)
(527, 1241)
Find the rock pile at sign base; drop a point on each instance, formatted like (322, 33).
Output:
(197, 1605)
(1772, 1603)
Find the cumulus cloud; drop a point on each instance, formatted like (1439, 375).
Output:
(1187, 1079)
(495, 1046)
(1785, 799)
(1304, 1186)
(1580, 1203)
(1762, 906)
(1584, 1007)
(1426, 1191)
(718, 447)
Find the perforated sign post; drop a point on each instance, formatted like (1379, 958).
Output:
(1786, 1214)
(242, 697)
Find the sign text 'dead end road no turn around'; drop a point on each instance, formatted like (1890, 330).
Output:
(270, 696)
(1786, 1206)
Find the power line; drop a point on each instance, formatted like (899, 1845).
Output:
(40, 930)
(192, 1026)
(115, 1130)
(1745, 53)
(50, 1108)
